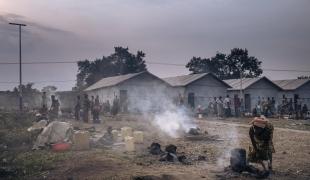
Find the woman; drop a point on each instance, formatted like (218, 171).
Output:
(261, 135)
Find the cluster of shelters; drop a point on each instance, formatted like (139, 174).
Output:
(144, 91)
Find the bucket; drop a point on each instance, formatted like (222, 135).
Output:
(129, 144)
(81, 140)
(115, 135)
(126, 131)
(60, 147)
(138, 136)
(199, 116)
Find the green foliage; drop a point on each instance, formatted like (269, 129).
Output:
(227, 66)
(119, 63)
(31, 164)
(15, 120)
(28, 88)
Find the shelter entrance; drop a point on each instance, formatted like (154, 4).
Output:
(247, 101)
(191, 100)
(123, 100)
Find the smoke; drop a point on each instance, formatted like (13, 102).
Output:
(161, 104)
(231, 137)
(173, 121)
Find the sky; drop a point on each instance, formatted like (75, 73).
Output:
(168, 31)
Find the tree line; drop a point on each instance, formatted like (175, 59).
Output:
(121, 61)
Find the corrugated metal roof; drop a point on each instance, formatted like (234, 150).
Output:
(187, 79)
(246, 82)
(183, 80)
(111, 81)
(291, 84)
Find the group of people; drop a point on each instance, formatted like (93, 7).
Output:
(91, 108)
(220, 107)
(293, 108)
(51, 113)
(265, 106)
(223, 107)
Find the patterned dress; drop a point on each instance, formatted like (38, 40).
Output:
(262, 145)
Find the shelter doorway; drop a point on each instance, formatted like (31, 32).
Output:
(191, 100)
(247, 101)
(123, 100)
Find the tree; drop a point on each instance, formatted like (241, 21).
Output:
(227, 66)
(28, 88)
(119, 63)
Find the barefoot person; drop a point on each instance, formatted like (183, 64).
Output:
(261, 134)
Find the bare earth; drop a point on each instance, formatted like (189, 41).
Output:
(291, 160)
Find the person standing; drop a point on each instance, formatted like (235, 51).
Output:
(304, 111)
(54, 110)
(77, 108)
(273, 106)
(115, 106)
(86, 108)
(227, 103)
(215, 110)
(220, 108)
(237, 104)
(96, 110)
(44, 99)
(108, 107)
(92, 102)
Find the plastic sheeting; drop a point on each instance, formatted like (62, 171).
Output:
(55, 132)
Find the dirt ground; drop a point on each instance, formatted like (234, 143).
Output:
(291, 160)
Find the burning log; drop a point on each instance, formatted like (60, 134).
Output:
(171, 149)
(194, 131)
(170, 157)
(155, 149)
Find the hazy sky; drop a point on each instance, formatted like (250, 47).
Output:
(275, 31)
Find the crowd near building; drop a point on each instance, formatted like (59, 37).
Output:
(199, 93)
(206, 94)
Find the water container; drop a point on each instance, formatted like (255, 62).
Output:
(115, 134)
(81, 140)
(199, 116)
(126, 131)
(129, 144)
(138, 136)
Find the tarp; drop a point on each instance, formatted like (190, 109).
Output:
(55, 132)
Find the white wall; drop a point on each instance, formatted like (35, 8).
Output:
(205, 90)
